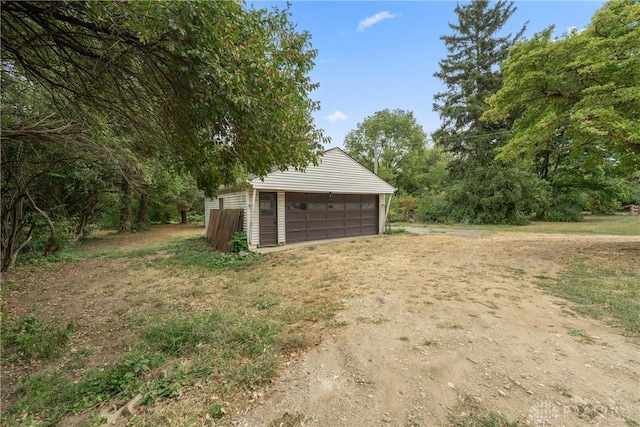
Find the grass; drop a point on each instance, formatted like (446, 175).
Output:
(469, 413)
(581, 334)
(602, 292)
(222, 322)
(32, 338)
(621, 225)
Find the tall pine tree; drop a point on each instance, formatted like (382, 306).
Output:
(471, 74)
(483, 190)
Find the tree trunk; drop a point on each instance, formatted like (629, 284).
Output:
(143, 209)
(84, 218)
(13, 218)
(126, 212)
(183, 216)
(52, 242)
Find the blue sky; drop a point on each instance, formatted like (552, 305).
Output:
(374, 55)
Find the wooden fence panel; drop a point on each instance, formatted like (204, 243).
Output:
(223, 224)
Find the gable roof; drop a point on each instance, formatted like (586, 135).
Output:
(336, 172)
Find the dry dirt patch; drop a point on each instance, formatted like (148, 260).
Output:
(434, 320)
(428, 322)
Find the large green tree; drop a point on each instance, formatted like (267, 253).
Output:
(471, 74)
(381, 141)
(576, 105)
(577, 97)
(482, 189)
(94, 91)
(217, 87)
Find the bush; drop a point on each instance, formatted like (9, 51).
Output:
(239, 242)
(496, 195)
(433, 208)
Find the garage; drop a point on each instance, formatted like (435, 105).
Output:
(317, 216)
(337, 197)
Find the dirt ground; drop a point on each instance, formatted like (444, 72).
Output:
(443, 319)
(430, 321)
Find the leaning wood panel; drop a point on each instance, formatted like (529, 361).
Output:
(212, 229)
(223, 225)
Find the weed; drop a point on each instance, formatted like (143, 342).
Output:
(562, 389)
(217, 411)
(580, 333)
(239, 242)
(403, 338)
(395, 230)
(197, 253)
(332, 323)
(470, 413)
(448, 325)
(50, 396)
(373, 320)
(32, 338)
(429, 343)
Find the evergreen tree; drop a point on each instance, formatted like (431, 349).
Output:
(483, 190)
(471, 74)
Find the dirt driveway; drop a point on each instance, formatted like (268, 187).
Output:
(437, 322)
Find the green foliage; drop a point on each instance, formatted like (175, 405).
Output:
(197, 253)
(382, 141)
(433, 208)
(581, 89)
(31, 338)
(470, 73)
(482, 190)
(214, 91)
(423, 170)
(494, 195)
(214, 83)
(49, 397)
(239, 242)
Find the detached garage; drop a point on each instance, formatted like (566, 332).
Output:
(337, 198)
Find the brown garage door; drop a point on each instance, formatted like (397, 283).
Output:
(315, 216)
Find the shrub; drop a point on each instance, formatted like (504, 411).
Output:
(239, 242)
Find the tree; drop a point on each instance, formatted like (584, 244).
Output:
(382, 141)
(423, 170)
(94, 90)
(471, 73)
(576, 105)
(576, 98)
(218, 88)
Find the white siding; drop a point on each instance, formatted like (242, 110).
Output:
(235, 200)
(254, 234)
(336, 172)
(282, 234)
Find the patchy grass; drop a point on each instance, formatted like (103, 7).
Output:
(185, 318)
(603, 288)
(621, 225)
(470, 413)
(448, 325)
(581, 334)
(32, 338)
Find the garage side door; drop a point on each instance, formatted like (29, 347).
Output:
(316, 216)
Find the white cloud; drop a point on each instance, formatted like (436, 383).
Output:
(337, 116)
(372, 20)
